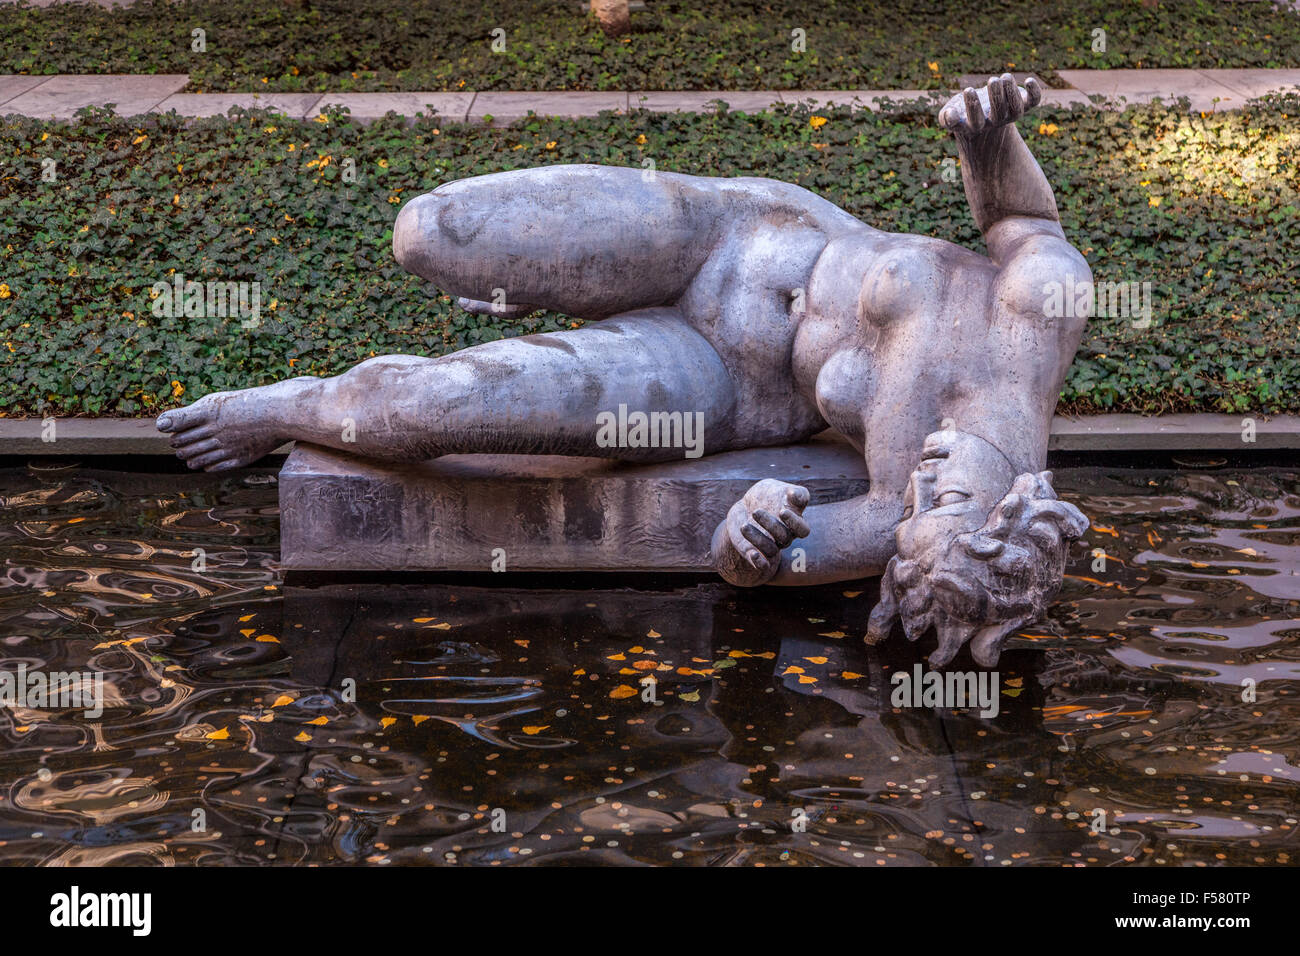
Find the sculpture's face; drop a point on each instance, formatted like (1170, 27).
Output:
(958, 482)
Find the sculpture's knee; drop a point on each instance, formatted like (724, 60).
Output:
(432, 233)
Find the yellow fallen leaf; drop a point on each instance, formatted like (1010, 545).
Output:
(805, 679)
(418, 719)
(303, 737)
(816, 660)
(792, 669)
(535, 730)
(691, 695)
(319, 721)
(387, 722)
(282, 700)
(851, 675)
(653, 633)
(622, 691)
(836, 635)
(222, 734)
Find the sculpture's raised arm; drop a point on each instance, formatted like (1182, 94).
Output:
(1009, 196)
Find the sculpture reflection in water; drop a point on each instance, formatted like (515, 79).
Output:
(767, 314)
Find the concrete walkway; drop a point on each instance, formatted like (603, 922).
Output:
(1088, 433)
(59, 97)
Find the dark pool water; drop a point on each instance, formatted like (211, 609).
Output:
(250, 722)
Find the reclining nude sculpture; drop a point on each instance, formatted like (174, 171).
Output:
(773, 314)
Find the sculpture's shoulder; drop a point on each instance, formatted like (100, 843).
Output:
(1038, 268)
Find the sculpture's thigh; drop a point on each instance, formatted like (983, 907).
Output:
(556, 393)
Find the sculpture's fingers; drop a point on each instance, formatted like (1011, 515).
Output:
(1012, 104)
(773, 526)
(798, 527)
(1033, 92)
(759, 539)
(974, 109)
(797, 497)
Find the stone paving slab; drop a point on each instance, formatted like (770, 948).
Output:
(866, 99)
(702, 101)
(1252, 83)
(508, 107)
(59, 97)
(1206, 93)
(365, 107)
(293, 105)
(11, 85)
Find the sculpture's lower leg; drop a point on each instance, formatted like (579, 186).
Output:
(538, 394)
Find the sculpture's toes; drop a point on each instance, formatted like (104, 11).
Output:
(183, 419)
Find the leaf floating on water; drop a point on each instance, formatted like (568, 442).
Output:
(319, 721)
(248, 631)
(386, 722)
(1015, 681)
(653, 633)
(622, 691)
(1014, 692)
(728, 662)
(246, 618)
(303, 737)
(792, 669)
(530, 731)
(282, 700)
(691, 696)
(817, 660)
(805, 679)
(835, 635)
(418, 719)
(422, 620)
(267, 639)
(851, 675)
(444, 626)
(851, 594)
(222, 734)
(616, 657)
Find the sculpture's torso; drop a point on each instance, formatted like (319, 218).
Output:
(883, 336)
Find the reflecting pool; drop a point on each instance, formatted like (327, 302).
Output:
(1152, 719)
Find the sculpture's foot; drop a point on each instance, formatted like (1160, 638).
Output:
(227, 430)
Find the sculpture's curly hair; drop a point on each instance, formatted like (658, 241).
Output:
(985, 583)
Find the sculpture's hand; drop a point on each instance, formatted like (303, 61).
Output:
(747, 545)
(972, 112)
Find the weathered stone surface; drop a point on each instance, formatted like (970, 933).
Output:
(293, 105)
(1205, 92)
(12, 84)
(549, 513)
(365, 107)
(506, 107)
(691, 101)
(60, 97)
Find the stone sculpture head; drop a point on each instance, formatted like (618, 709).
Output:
(980, 550)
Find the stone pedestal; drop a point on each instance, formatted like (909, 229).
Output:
(339, 512)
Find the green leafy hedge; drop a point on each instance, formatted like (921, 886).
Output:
(1204, 208)
(676, 44)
